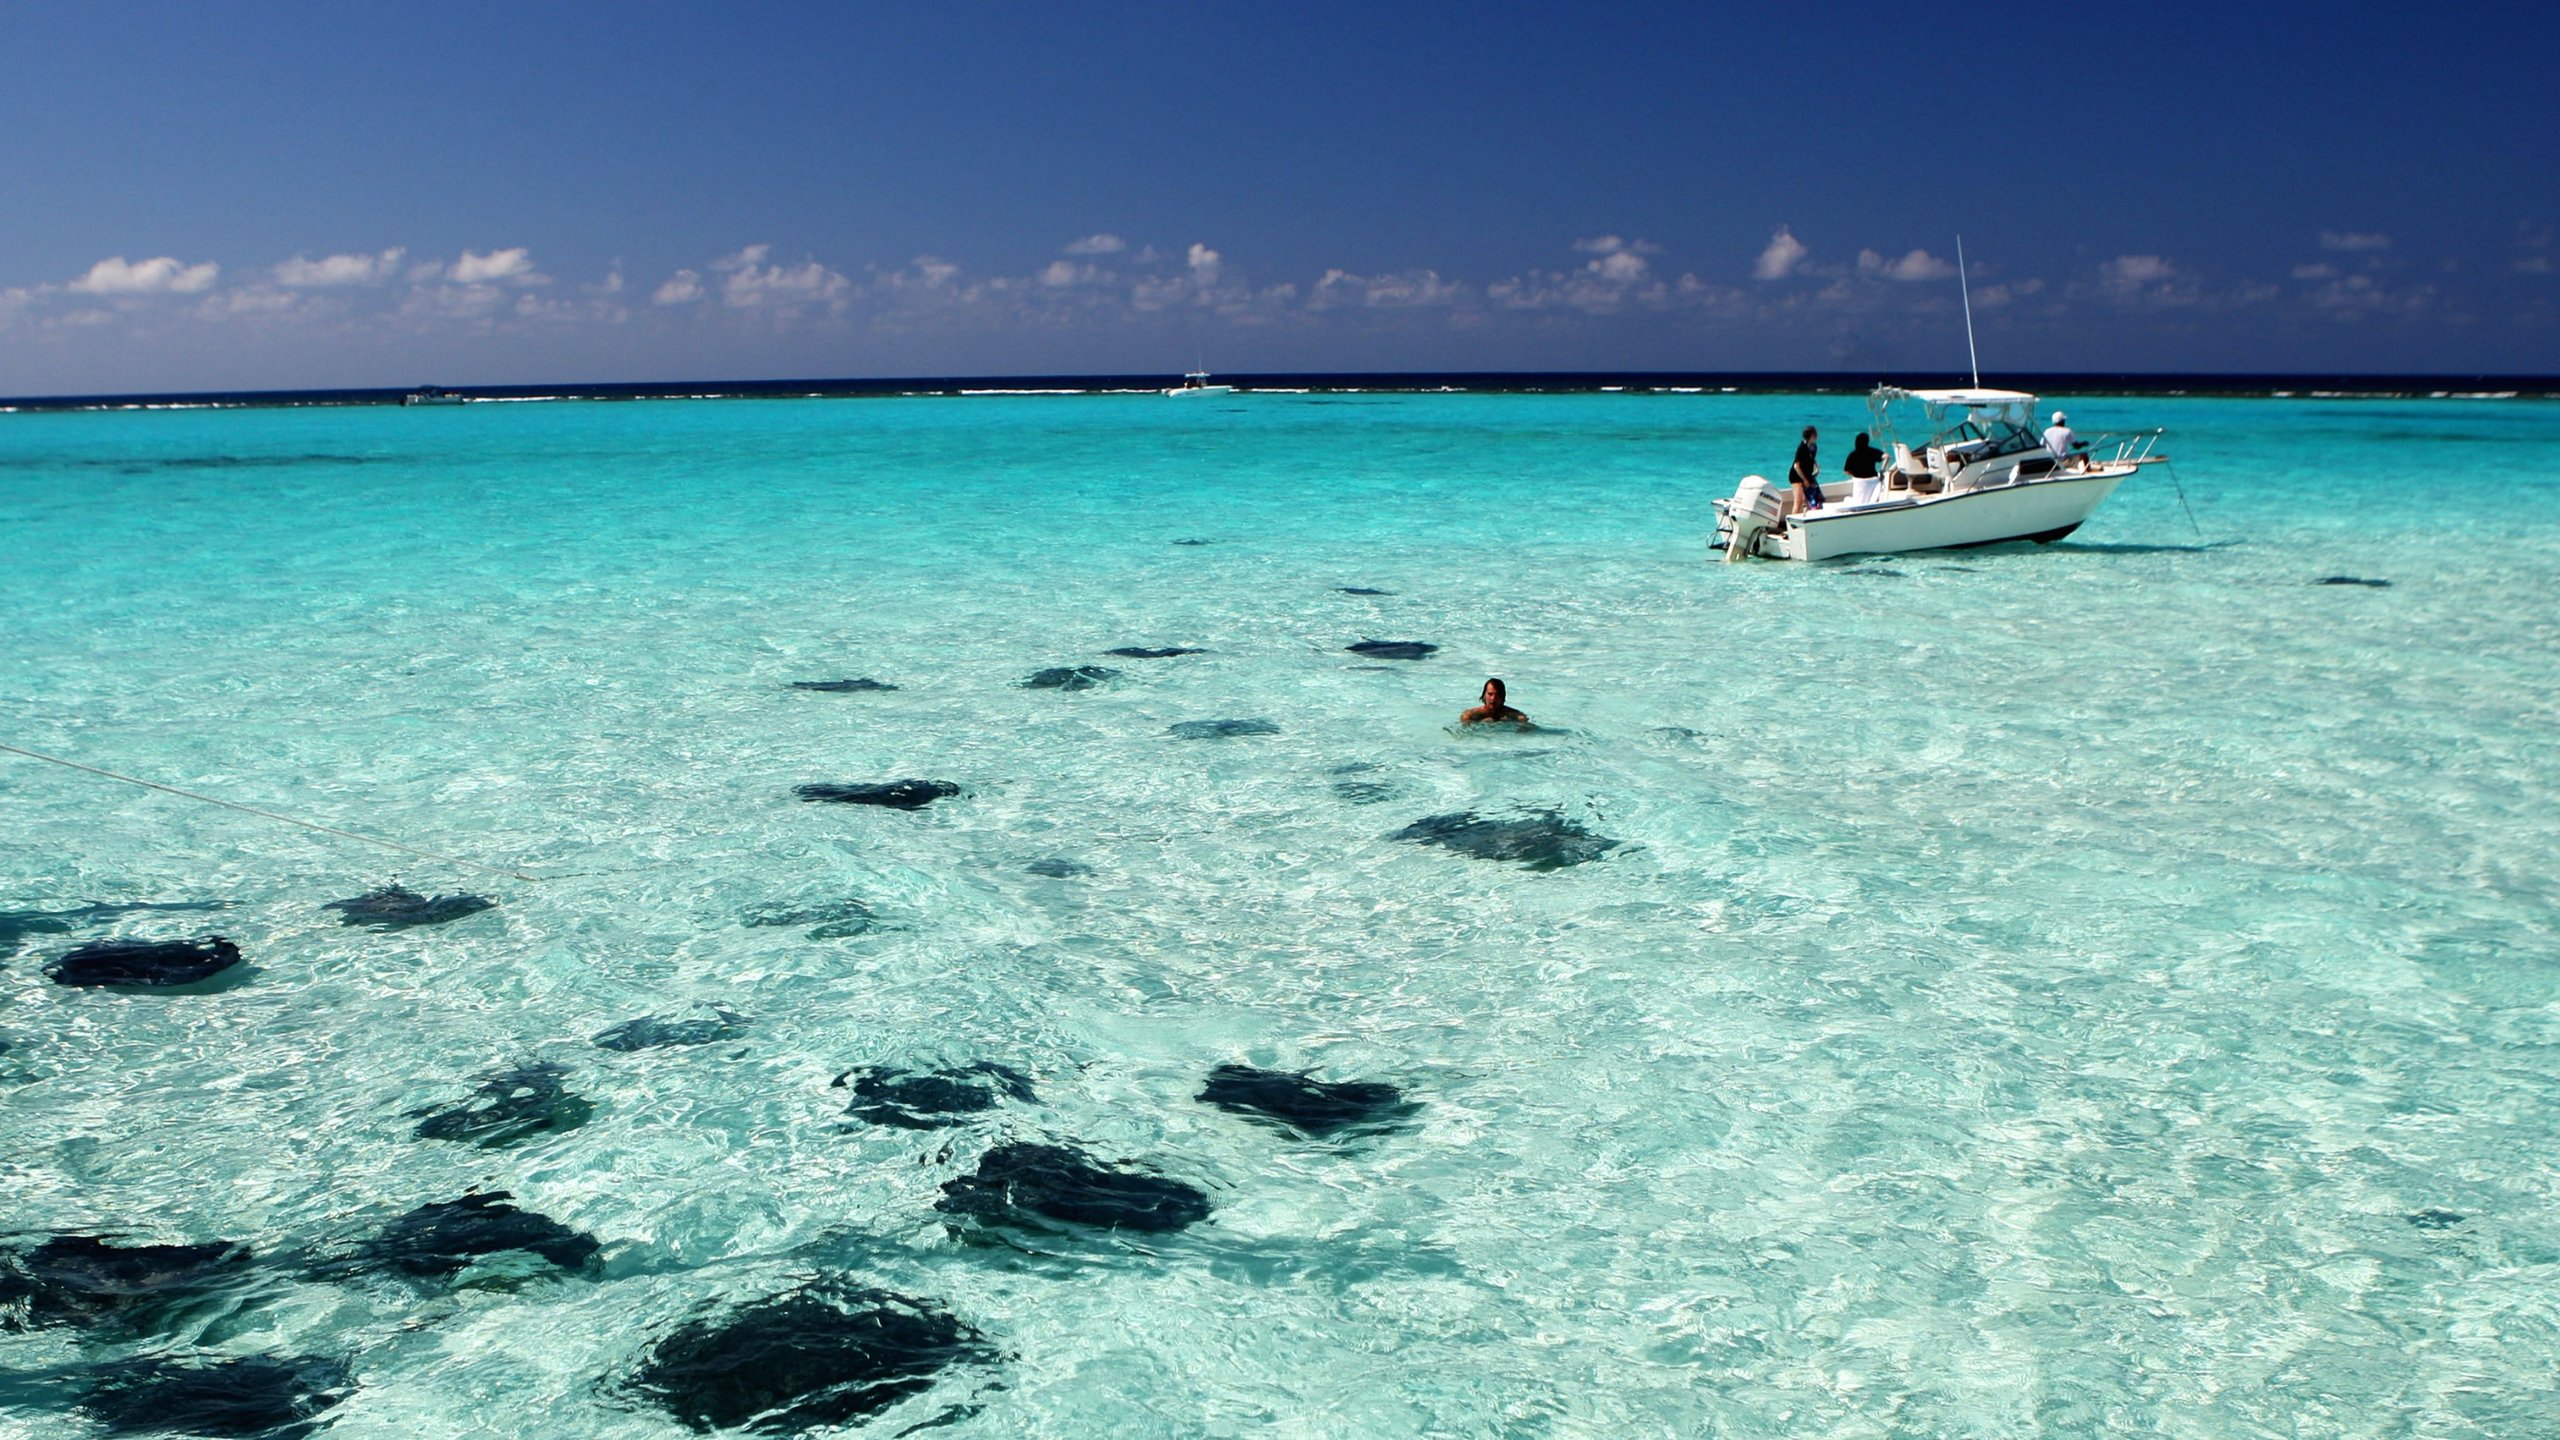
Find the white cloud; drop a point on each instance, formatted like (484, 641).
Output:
(250, 301)
(1993, 297)
(1402, 290)
(1058, 274)
(1784, 253)
(2128, 272)
(452, 302)
(1204, 263)
(747, 283)
(514, 263)
(1612, 245)
(682, 288)
(2534, 240)
(116, 276)
(2358, 296)
(1918, 265)
(302, 272)
(1619, 267)
(1103, 244)
(2354, 241)
(2315, 272)
(1618, 278)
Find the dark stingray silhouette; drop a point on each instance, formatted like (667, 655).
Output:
(1394, 649)
(396, 907)
(152, 963)
(1024, 1184)
(652, 1033)
(92, 1279)
(1220, 729)
(826, 1353)
(890, 794)
(1361, 590)
(1069, 677)
(442, 1239)
(2353, 580)
(1293, 1100)
(827, 920)
(1155, 652)
(1538, 839)
(1058, 867)
(507, 1106)
(255, 1396)
(865, 685)
(930, 1099)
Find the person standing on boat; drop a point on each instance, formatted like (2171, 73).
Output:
(1864, 464)
(2058, 437)
(1800, 475)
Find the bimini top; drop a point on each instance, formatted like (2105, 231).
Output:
(1969, 399)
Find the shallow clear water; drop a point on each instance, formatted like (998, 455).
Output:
(2041, 991)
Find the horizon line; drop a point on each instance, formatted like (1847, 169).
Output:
(2361, 384)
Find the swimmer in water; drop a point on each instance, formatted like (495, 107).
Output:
(1493, 710)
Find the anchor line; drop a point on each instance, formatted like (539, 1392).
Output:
(272, 815)
(2182, 498)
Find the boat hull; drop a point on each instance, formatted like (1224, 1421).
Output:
(2040, 510)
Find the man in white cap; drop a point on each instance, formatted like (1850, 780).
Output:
(2059, 439)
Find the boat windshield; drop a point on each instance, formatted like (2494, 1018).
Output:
(1979, 422)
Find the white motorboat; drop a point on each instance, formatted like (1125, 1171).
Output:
(1982, 476)
(1197, 383)
(430, 395)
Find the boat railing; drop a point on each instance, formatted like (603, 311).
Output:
(2130, 447)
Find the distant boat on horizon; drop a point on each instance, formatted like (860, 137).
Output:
(431, 395)
(1197, 383)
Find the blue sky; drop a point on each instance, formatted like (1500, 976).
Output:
(312, 195)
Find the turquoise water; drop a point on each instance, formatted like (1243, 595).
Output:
(2097, 989)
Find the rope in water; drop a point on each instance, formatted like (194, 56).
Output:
(2182, 499)
(271, 815)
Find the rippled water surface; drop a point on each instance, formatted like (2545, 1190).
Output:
(2096, 989)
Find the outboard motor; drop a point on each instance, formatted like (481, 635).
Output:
(1756, 507)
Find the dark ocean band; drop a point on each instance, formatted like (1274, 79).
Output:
(2540, 387)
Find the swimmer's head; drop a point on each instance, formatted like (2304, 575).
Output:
(1493, 692)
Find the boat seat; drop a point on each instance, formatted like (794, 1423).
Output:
(1910, 473)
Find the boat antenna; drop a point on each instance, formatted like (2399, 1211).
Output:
(1967, 287)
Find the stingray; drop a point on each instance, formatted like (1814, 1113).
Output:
(1538, 840)
(1039, 1186)
(891, 794)
(1318, 1109)
(827, 1353)
(396, 907)
(1394, 649)
(152, 963)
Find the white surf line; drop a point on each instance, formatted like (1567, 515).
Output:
(271, 815)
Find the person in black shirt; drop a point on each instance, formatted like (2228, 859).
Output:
(1800, 475)
(1864, 462)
